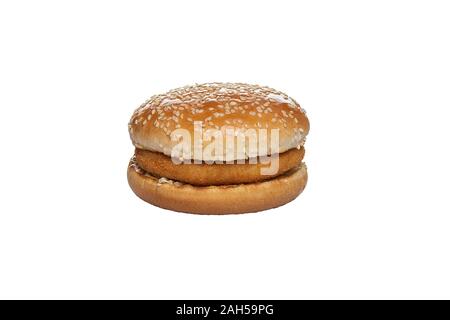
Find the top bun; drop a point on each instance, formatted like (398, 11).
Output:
(218, 106)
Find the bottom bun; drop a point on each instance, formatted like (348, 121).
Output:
(226, 199)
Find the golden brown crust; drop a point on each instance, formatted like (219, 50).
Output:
(218, 199)
(216, 106)
(159, 165)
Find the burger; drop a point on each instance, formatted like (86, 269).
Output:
(218, 148)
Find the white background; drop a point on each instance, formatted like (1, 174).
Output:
(373, 222)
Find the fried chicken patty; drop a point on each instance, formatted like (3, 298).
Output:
(160, 165)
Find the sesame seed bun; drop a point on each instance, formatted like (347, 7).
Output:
(217, 106)
(227, 199)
